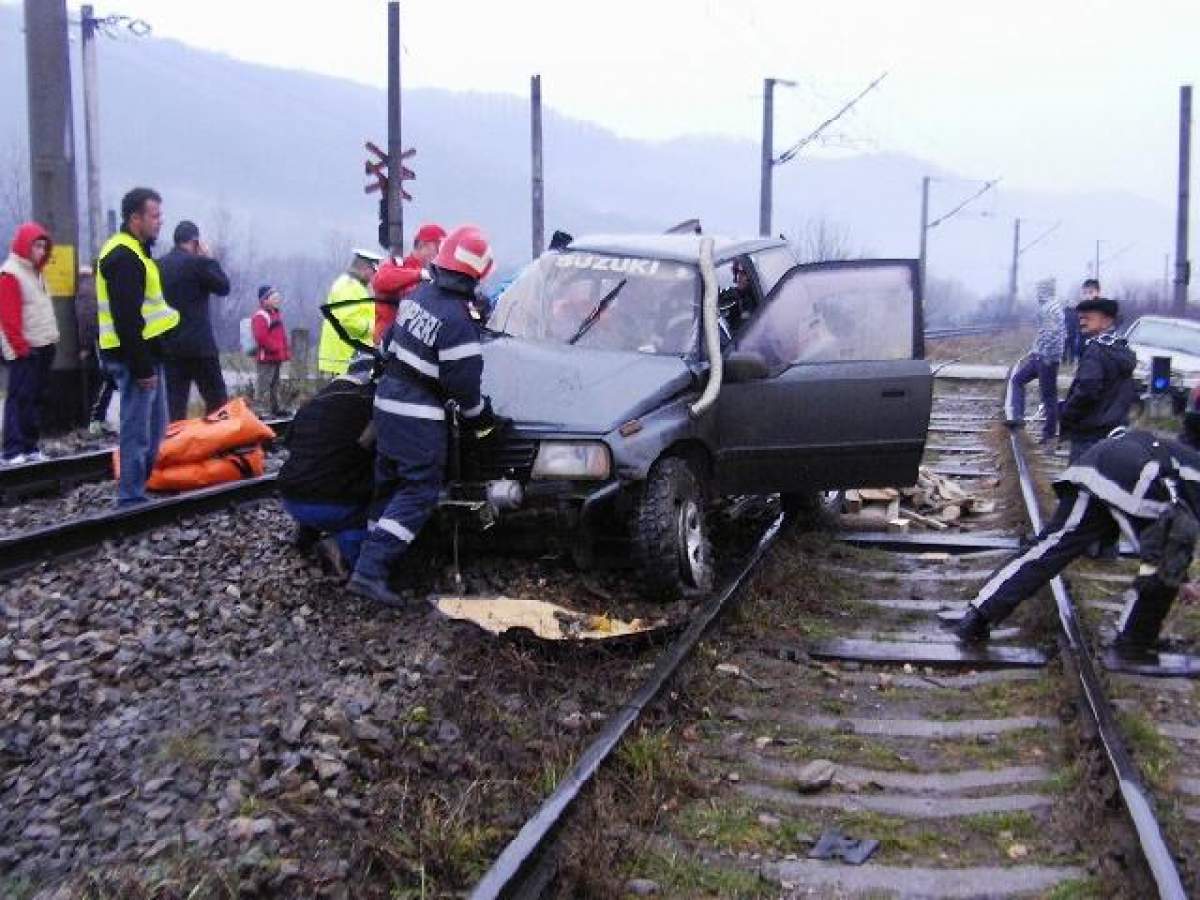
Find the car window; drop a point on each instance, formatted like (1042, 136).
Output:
(1166, 335)
(772, 265)
(836, 314)
(637, 305)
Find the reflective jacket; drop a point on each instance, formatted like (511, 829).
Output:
(123, 323)
(333, 354)
(432, 353)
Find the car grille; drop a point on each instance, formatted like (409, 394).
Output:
(512, 459)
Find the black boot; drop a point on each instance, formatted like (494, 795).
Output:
(972, 628)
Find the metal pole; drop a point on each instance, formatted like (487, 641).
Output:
(538, 187)
(921, 256)
(1012, 275)
(1163, 301)
(768, 157)
(395, 144)
(91, 129)
(1183, 265)
(53, 187)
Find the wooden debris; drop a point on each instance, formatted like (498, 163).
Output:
(934, 502)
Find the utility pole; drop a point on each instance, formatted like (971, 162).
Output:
(1096, 267)
(1183, 265)
(91, 128)
(52, 183)
(537, 185)
(924, 233)
(1012, 275)
(1164, 301)
(768, 158)
(395, 186)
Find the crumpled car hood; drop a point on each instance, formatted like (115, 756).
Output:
(554, 387)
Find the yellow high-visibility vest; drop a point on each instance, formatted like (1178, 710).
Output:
(333, 354)
(157, 316)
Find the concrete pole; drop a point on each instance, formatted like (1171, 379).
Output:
(91, 130)
(1183, 265)
(537, 185)
(922, 253)
(768, 158)
(395, 206)
(1012, 274)
(53, 188)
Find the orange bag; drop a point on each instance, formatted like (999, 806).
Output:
(231, 465)
(210, 449)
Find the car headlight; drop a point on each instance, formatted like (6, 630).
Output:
(572, 459)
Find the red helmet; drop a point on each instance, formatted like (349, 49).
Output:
(467, 251)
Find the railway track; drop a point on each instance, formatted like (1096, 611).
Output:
(831, 700)
(884, 729)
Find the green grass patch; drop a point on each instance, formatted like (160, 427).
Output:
(679, 875)
(735, 826)
(850, 748)
(1153, 752)
(1080, 889)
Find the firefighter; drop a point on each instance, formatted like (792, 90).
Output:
(431, 356)
(358, 319)
(1134, 483)
(396, 280)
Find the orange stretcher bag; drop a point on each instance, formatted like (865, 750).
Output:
(231, 465)
(214, 449)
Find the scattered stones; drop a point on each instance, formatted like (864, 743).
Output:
(642, 887)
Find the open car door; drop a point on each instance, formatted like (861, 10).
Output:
(847, 397)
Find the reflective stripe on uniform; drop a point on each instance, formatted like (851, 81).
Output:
(412, 360)
(412, 410)
(1037, 551)
(158, 317)
(395, 529)
(462, 351)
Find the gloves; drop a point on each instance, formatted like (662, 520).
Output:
(487, 426)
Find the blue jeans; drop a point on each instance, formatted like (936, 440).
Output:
(1046, 373)
(28, 379)
(143, 424)
(346, 521)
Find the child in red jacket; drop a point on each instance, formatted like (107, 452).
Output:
(28, 333)
(273, 352)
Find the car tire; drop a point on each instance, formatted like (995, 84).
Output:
(812, 510)
(670, 532)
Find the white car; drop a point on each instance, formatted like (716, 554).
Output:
(1152, 336)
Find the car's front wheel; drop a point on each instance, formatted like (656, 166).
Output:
(670, 531)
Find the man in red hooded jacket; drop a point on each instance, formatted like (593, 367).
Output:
(28, 333)
(394, 280)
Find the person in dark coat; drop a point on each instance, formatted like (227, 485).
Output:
(431, 355)
(1103, 391)
(190, 275)
(328, 479)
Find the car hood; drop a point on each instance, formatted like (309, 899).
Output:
(558, 388)
(1180, 362)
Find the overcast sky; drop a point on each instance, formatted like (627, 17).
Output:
(1058, 94)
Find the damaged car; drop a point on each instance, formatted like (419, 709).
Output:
(648, 376)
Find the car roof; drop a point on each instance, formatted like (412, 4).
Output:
(1169, 320)
(674, 247)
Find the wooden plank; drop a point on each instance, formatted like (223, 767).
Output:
(990, 656)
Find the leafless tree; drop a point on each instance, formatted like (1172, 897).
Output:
(823, 240)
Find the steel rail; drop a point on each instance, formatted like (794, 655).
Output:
(23, 551)
(1133, 791)
(522, 868)
(60, 473)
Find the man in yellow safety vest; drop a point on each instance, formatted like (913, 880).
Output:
(132, 317)
(357, 318)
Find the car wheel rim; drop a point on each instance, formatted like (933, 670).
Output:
(691, 532)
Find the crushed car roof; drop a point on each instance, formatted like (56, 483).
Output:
(673, 247)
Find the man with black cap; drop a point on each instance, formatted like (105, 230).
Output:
(1103, 391)
(189, 275)
(1132, 483)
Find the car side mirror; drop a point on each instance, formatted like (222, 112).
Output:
(745, 365)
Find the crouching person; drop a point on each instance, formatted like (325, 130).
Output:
(431, 356)
(328, 479)
(1131, 483)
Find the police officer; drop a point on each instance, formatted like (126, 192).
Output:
(1132, 483)
(431, 356)
(356, 313)
(1103, 391)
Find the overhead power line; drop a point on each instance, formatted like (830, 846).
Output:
(987, 186)
(791, 151)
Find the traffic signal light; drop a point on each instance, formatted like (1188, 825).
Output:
(1160, 374)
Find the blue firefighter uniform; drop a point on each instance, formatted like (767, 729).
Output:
(431, 356)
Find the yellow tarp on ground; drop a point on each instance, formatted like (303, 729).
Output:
(546, 620)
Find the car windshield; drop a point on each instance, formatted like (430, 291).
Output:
(1167, 335)
(604, 302)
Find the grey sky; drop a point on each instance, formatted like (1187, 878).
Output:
(1058, 94)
